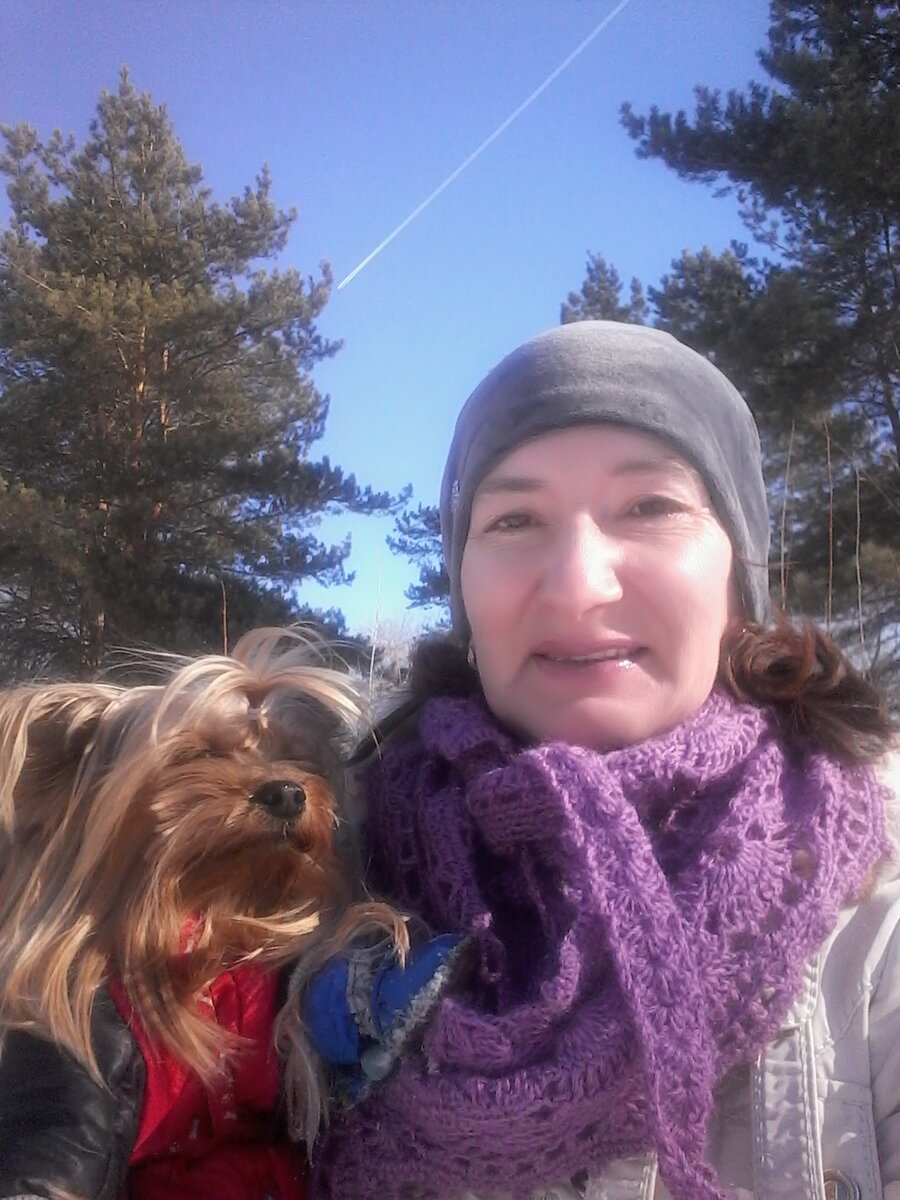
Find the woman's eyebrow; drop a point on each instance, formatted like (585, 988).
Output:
(647, 466)
(498, 484)
(493, 485)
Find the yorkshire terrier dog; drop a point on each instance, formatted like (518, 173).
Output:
(167, 851)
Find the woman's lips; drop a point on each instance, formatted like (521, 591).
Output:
(578, 658)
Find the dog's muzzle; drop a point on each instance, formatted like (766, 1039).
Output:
(281, 798)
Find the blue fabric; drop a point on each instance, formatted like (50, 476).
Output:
(397, 991)
(398, 999)
(331, 1025)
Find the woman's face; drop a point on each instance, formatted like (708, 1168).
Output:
(597, 583)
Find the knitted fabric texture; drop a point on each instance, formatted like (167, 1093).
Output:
(642, 919)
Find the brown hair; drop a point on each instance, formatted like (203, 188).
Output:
(814, 689)
(816, 693)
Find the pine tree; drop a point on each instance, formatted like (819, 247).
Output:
(417, 535)
(157, 411)
(814, 158)
(600, 297)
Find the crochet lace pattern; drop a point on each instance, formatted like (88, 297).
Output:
(642, 919)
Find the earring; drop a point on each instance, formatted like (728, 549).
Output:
(470, 657)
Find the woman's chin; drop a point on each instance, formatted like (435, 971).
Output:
(593, 724)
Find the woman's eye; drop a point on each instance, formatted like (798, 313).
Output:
(655, 506)
(511, 522)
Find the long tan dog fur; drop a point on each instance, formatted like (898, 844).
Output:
(130, 845)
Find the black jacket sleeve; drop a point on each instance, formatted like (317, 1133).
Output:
(59, 1127)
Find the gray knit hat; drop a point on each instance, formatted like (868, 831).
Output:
(604, 371)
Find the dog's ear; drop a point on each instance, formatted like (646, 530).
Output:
(45, 733)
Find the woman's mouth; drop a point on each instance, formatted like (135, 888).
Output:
(577, 659)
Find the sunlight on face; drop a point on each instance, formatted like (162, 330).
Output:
(597, 580)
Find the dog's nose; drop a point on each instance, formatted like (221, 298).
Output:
(281, 799)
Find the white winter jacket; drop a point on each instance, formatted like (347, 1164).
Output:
(817, 1117)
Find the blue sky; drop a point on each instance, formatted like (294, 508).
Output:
(361, 109)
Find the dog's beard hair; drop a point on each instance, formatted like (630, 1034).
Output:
(131, 844)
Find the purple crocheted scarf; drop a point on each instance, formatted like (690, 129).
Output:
(642, 919)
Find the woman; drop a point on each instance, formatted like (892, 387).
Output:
(650, 809)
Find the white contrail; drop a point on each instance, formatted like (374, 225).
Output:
(487, 141)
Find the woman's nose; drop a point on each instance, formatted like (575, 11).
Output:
(585, 567)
